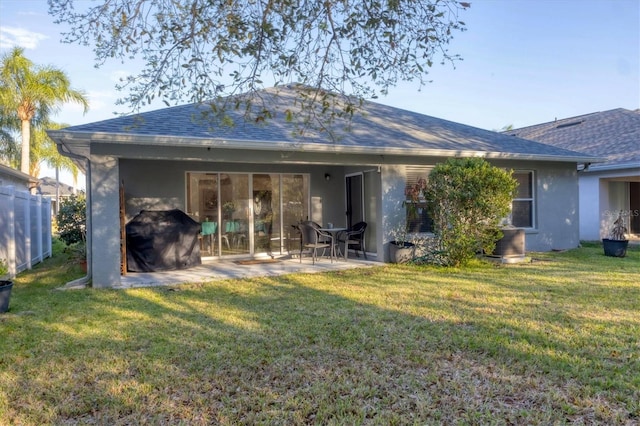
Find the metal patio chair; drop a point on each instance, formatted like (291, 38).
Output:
(353, 238)
(312, 240)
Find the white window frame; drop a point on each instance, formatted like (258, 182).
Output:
(531, 200)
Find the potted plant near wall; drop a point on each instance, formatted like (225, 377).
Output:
(401, 250)
(617, 243)
(5, 286)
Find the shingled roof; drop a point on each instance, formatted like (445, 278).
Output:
(47, 187)
(374, 129)
(613, 134)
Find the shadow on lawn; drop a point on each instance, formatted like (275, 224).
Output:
(392, 344)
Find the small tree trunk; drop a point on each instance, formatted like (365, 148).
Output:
(26, 137)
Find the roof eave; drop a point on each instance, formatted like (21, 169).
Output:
(18, 174)
(81, 139)
(611, 167)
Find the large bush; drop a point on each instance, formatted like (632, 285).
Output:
(71, 219)
(467, 200)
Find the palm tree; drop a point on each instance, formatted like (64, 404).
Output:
(33, 93)
(8, 146)
(44, 150)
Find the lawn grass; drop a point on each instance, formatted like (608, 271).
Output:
(553, 341)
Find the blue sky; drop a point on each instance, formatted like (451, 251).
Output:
(525, 62)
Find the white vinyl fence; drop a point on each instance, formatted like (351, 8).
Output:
(25, 229)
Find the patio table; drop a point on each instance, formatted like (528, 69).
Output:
(334, 234)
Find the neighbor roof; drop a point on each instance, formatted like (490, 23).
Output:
(614, 135)
(17, 174)
(47, 187)
(374, 129)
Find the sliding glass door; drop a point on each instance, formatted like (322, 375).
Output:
(234, 227)
(266, 214)
(247, 213)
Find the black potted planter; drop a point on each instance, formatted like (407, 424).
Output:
(5, 295)
(401, 251)
(615, 248)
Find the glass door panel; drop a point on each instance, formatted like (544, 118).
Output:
(202, 206)
(295, 207)
(266, 214)
(234, 200)
(208, 202)
(223, 204)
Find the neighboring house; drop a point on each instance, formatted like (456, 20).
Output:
(263, 175)
(12, 177)
(606, 188)
(55, 191)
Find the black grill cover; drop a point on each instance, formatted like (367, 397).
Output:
(162, 241)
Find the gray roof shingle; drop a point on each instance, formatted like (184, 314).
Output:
(613, 134)
(375, 127)
(47, 186)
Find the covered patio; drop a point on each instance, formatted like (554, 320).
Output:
(213, 270)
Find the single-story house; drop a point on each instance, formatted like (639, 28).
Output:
(12, 177)
(236, 175)
(607, 188)
(55, 191)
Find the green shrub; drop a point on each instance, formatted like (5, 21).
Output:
(57, 246)
(4, 268)
(467, 199)
(71, 219)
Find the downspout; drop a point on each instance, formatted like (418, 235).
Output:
(86, 280)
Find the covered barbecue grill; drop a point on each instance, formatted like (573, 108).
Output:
(162, 241)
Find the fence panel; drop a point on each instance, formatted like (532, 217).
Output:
(45, 230)
(25, 229)
(22, 229)
(35, 230)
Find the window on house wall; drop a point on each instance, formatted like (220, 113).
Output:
(523, 205)
(417, 218)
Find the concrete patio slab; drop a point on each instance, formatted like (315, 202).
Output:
(212, 270)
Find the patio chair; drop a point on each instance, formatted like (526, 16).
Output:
(353, 238)
(209, 230)
(311, 239)
(325, 237)
(235, 234)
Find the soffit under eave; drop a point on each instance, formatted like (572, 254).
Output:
(79, 144)
(226, 155)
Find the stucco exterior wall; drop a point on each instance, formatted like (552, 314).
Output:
(104, 230)
(161, 185)
(557, 207)
(556, 204)
(12, 177)
(602, 195)
(590, 199)
(8, 180)
(393, 212)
